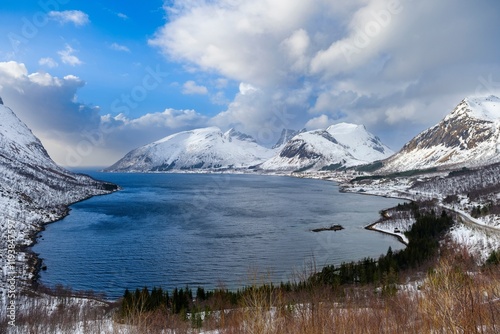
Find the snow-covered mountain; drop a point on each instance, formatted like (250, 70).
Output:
(468, 136)
(340, 145)
(286, 135)
(33, 191)
(200, 149)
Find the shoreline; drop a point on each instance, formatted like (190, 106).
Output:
(372, 228)
(34, 262)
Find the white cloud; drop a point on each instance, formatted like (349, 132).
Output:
(263, 114)
(392, 65)
(320, 122)
(246, 88)
(68, 57)
(42, 100)
(168, 119)
(119, 47)
(77, 17)
(12, 70)
(45, 79)
(49, 62)
(122, 16)
(237, 39)
(190, 87)
(296, 47)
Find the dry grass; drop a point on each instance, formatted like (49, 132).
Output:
(455, 297)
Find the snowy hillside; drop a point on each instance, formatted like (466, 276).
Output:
(200, 149)
(286, 135)
(33, 191)
(341, 145)
(468, 136)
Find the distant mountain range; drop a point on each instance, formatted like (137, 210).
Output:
(467, 137)
(341, 145)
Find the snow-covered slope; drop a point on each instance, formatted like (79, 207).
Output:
(468, 136)
(286, 135)
(33, 191)
(200, 149)
(341, 145)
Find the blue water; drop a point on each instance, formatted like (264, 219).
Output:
(206, 230)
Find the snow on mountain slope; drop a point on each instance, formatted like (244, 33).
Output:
(286, 135)
(341, 145)
(33, 191)
(16, 138)
(200, 149)
(468, 136)
(361, 144)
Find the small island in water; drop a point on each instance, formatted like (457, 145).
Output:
(334, 227)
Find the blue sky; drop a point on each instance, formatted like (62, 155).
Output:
(95, 79)
(112, 47)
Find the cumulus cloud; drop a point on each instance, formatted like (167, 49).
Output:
(238, 39)
(77, 17)
(393, 65)
(190, 87)
(12, 70)
(43, 101)
(68, 57)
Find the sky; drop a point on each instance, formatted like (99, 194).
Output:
(95, 79)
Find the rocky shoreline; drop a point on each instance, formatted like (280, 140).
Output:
(35, 264)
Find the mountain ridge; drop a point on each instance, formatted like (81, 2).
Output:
(210, 149)
(34, 191)
(466, 137)
(339, 146)
(199, 149)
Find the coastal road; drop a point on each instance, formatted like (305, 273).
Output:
(467, 221)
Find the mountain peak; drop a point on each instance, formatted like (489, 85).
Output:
(485, 108)
(468, 136)
(1, 101)
(340, 145)
(286, 135)
(199, 149)
(233, 133)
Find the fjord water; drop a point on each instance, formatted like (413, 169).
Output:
(205, 230)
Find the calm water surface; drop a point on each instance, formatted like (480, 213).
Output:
(170, 230)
